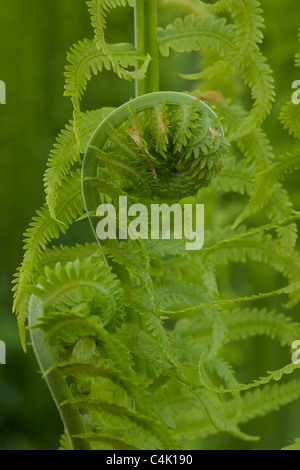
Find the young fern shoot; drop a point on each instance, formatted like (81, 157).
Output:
(131, 335)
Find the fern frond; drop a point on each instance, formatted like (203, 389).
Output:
(247, 19)
(107, 439)
(64, 443)
(241, 324)
(208, 276)
(254, 404)
(265, 183)
(157, 331)
(195, 33)
(64, 254)
(258, 151)
(276, 375)
(235, 177)
(244, 323)
(130, 384)
(98, 10)
(65, 153)
(280, 208)
(295, 446)
(181, 294)
(131, 259)
(248, 24)
(143, 424)
(141, 344)
(78, 282)
(255, 146)
(288, 236)
(165, 248)
(290, 118)
(42, 230)
(259, 248)
(134, 261)
(129, 335)
(257, 74)
(85, 59)
(225, 371)
(290, 289)
(70, 327)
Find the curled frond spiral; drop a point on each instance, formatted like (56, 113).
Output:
(163, 146)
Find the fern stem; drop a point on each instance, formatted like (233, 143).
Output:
(146, 43)
(60, 392)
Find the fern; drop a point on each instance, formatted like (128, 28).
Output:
(246, 59)
(251, 322)
(86, 59)
(276, 375)
(194, 33)
(89, 57)
(295, 446)
(291, 288)
(258, 75)
(135, 338)
(66, 285)
(241, 323)
(265, 183)
(290, 117)
(235, 177)
(247, 18)
(65, 153)
(98, 10)
(42, 230)
(64, 254)
(255, 146)
(255, 404)
(290, 112)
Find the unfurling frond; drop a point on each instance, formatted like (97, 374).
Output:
(65, 153)
(42, 230)
(138, 339)
(86, 59)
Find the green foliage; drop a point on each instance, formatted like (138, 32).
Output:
(194, 33)
(65, 153)
(144, 331)
(167, 154)
(42, 230)
(295, 446)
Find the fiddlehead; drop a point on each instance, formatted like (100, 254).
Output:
(161, 146)
(131, 370)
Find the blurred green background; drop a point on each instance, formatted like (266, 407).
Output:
(35, 36)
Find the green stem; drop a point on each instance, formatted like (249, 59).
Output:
(56, 383)
(146, 43)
